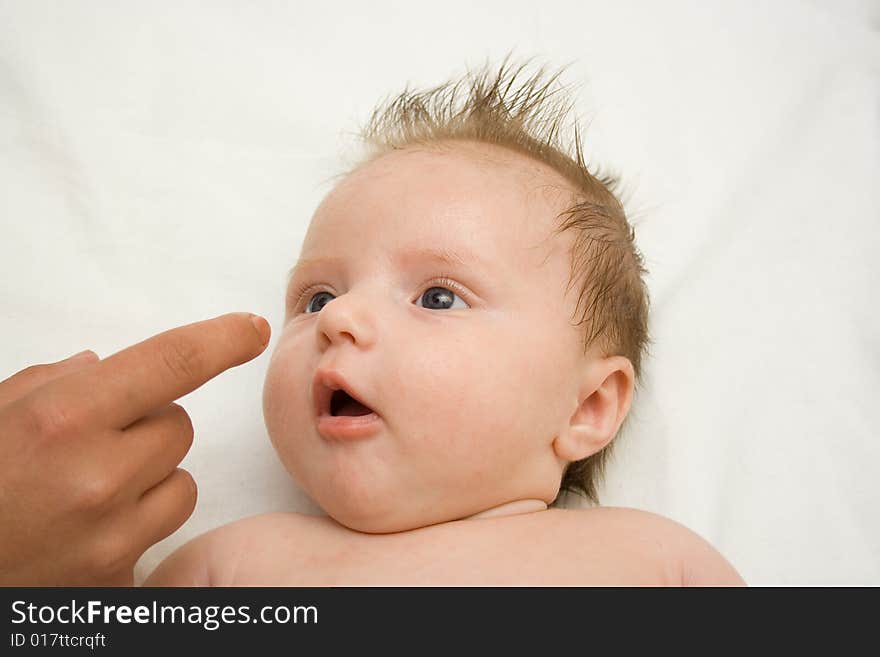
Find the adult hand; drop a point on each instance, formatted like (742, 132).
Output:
(89, 450)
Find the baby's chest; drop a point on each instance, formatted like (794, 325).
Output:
(463, 554)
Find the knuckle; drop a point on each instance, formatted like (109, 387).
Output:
(185, 422)
(47, 417)
(33, 371)
(183, 359)
(35, 374)
(95, 492)
(111, 552)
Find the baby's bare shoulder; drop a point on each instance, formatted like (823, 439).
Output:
(280, 526)
(213, 558)
(601, 546)
(693, 559)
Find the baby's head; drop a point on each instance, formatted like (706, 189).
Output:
(477, 289)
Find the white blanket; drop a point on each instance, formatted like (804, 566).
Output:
(159, 166)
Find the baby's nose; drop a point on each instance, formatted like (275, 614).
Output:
(348, 318)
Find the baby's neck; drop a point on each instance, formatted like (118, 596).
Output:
(510, 509)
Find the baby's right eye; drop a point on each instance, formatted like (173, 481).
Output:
(315, 296)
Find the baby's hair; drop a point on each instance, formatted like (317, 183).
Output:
(605, 262)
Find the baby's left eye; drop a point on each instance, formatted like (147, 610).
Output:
(440, 298)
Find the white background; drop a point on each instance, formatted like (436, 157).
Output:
(159, 164)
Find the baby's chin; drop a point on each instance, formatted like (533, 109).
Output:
(372, 526)
(384, 518)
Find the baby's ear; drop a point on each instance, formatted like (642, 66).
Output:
(604, 399)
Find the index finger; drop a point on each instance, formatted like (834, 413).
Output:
(132, 383)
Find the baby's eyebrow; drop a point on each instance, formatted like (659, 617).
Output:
(444, 256)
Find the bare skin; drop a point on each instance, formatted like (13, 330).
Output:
(89, 450)
(604, 546)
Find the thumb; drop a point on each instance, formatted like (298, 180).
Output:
(29, 379)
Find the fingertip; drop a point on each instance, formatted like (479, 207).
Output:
(187, 475)
(195, 488)
(264, 331)
(192, 494)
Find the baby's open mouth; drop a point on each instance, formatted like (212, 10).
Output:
(341, 403)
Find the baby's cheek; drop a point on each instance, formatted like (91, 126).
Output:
(285, 400)
(270, 400)
(483, 402)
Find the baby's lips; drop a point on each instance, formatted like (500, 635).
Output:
(325, 383)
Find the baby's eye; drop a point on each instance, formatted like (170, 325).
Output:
(435, 298)
(310, 308)
(441, 298)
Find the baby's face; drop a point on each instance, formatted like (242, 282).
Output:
(471, 382)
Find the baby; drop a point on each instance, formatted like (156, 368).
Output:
(429, 389)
